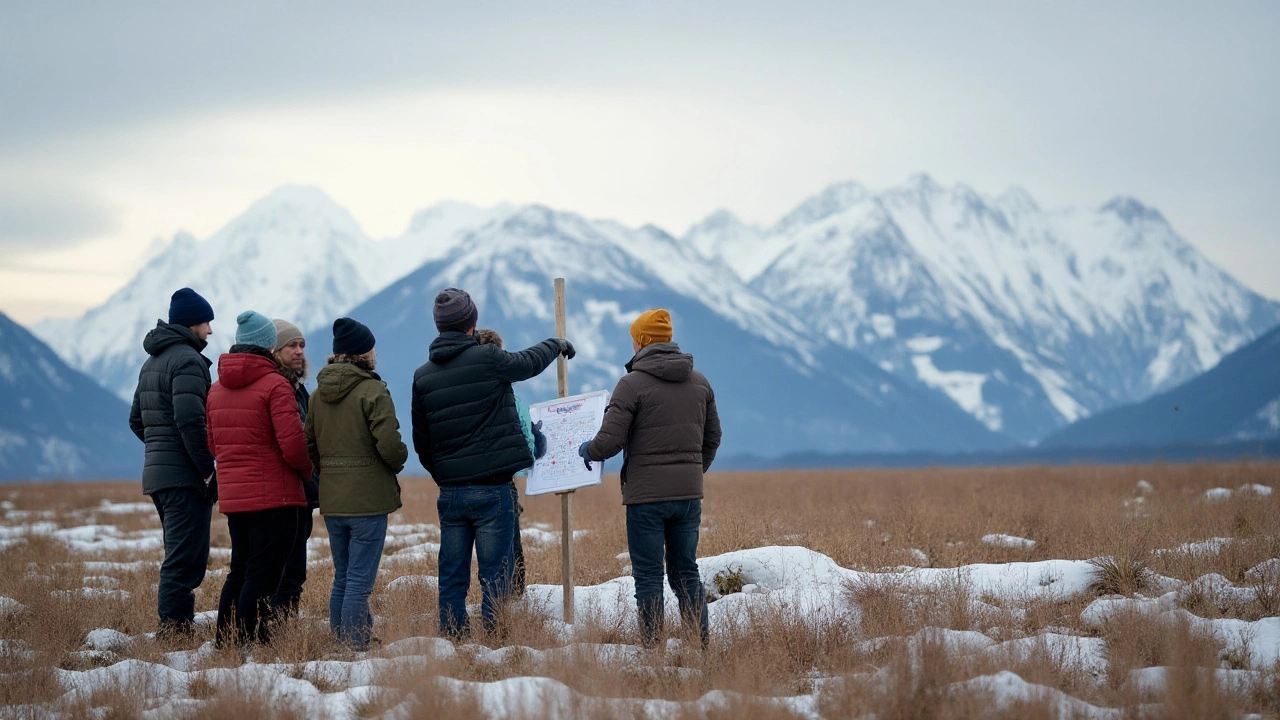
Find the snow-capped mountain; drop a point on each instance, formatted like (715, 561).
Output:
(54, 421)
(1028, 319)
(294, 254)
(1238, 400)
(776, 390)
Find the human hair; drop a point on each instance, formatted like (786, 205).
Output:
(364, 361)
(485, 336)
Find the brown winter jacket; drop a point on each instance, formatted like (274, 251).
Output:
(662, 415)
(353, 437)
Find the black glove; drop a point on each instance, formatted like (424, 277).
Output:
(539, 441)
(210, 492)
(566, 348)
(582, 452)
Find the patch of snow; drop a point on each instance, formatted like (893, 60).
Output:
(107, 639)
(1008, 541)
(1145, 487)
(1217, 494)
(1255, 489)
(9, 606)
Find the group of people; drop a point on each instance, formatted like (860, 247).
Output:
(269, 454)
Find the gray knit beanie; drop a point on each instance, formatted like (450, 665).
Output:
(454, 310)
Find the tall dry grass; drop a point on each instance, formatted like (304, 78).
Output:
(868, 520)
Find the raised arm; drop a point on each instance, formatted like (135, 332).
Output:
(516, 366)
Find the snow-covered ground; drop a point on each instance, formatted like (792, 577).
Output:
(994, 623)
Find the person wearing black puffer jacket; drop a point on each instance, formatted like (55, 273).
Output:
(468, 435)
(168, 415)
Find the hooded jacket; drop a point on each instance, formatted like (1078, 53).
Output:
(662, 416)
(466, 430)
(353, 437)
(168, 412)
(255, 432)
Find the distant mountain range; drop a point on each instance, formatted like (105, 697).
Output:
(54, 421)
(789, 392)
(1236, 401)
(922, 317)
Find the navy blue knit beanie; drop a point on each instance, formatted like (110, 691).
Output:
(454, 310)
(188, 309)
(351, 337)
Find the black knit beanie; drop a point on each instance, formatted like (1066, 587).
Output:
(351, 337)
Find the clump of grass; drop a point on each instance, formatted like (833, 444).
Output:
(1118, 575)
(729, 581)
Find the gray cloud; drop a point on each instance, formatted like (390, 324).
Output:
(34, 218)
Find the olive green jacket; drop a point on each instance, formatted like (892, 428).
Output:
(353, 438)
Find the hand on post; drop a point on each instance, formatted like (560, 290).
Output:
(566, 348)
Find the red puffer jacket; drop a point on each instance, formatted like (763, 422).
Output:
(255, 433)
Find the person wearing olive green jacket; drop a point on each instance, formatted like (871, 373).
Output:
(353, 437)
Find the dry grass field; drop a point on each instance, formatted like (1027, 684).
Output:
(893, 594)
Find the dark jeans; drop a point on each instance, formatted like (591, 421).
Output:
(260, 546)
(650, 526)
(518, 581)
(482, 517)
(185, 519)
(289, 596)
(356, 543)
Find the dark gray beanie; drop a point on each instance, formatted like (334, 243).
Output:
(454, 310)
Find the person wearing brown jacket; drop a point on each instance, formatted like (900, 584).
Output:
(662, 417)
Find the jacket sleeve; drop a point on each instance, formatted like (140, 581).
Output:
(190, 387)
(135, 415)
(710, 432)
(309, 431)
(380, 413)
(286, 422)
(517, 366)
(616, 428)
(421, 435)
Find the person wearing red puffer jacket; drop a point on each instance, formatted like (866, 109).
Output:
(255, 433)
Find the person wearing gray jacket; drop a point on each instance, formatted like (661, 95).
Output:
(662, 416)
(168, 415)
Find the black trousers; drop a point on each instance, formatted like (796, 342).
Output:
(184, 515)
(289, 596)
(260, 546)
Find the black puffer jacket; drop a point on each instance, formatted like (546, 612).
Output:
(168, 412)
(465, 427)
(311, 486)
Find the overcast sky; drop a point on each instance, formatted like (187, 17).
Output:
(123, 122)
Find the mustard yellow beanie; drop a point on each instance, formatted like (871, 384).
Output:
(651, 327)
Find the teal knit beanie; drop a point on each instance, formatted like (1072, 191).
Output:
(255, 329)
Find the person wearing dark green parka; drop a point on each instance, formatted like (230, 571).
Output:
(354, 439)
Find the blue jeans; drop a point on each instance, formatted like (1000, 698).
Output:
(185, 517)
(356, 544)
(483, 517)
(650, 527)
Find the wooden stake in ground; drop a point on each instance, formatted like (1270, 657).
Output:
(566, 504)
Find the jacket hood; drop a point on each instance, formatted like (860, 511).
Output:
(165, 336)
(663, 361)
(336, 380)
(237, 370)
(449, 345)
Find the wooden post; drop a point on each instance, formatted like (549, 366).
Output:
(566, 505)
